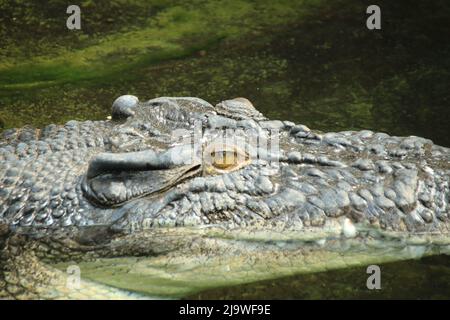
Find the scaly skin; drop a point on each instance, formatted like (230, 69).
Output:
(127, 187)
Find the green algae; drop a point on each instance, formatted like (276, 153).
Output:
(171, 33)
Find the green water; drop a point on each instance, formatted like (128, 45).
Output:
(312, 62)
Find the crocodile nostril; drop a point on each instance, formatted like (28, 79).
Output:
(123, 106)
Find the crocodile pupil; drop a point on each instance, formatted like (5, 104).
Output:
(224, 159)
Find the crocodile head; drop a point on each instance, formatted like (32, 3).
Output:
(177, 190)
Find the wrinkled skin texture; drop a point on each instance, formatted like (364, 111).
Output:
(127, 187)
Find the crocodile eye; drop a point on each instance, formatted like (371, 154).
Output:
(222, 158)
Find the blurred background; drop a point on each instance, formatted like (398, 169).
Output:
(309, 61)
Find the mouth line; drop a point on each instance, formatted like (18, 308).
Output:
(189, 173)
(156, 182)
(321, 237)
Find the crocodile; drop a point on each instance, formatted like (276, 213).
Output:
(174, 195)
